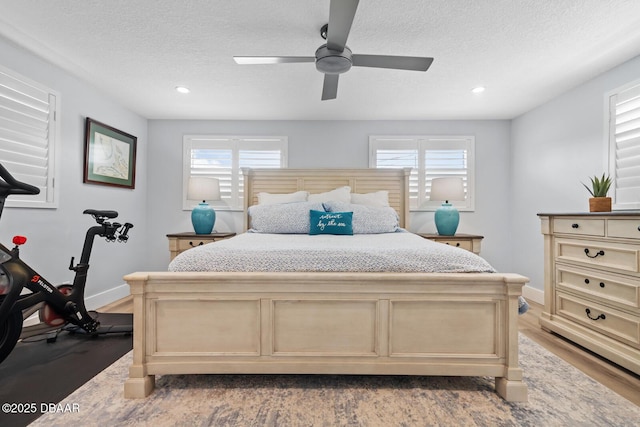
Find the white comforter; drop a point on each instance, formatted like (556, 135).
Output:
(389, 252)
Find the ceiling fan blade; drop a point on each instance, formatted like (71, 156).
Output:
(414, 63)
(330, 87)
(254, 60)
(341, 13)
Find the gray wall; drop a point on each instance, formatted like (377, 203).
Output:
(54, 235)
(554, 148)
(331, 144)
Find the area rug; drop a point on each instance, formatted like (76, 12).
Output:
(559, 395)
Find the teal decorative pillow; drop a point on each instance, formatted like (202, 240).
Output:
(322, 222)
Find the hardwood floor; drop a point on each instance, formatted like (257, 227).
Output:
(620, 380)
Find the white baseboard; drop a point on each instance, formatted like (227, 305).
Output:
(107, 297)
(93, 302)
(533, 294)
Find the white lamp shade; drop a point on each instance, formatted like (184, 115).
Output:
(203, 188)
(447, 189)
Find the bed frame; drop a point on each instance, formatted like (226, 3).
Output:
(326, 323)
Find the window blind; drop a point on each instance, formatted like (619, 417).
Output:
(27, 137)
(624, 143)
(399, 154)
(446, 158)
(429, 157)
(223, 157)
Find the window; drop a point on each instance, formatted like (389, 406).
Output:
(223, 157)
(624, 146)
(429, 157)
(28, 137)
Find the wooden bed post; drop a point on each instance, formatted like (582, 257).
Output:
(510, 386)
(405, 198)
(139, 384)
(248, 191)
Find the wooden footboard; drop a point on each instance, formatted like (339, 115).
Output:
(326, 323)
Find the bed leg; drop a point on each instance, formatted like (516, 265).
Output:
(510, 390)
(139, 384)
(138, 388)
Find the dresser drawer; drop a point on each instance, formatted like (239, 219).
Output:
(599, 254)
(579, 226)
(184, 244)
(599, 284)
(624, 228)
(464, 244)
(606, 320)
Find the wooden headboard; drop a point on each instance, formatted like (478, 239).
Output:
(395, 181)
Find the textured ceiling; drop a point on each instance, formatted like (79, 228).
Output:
(524, 52)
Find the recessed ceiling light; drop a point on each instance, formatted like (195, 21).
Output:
(182, 89)
(478, 89)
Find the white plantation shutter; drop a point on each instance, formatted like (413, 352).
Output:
(624, 147)
(28, 136)
(397, 153)
(223, 157)
(449, 157)
(429, 157)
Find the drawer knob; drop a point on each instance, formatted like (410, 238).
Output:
(586, 281)
(575, 225)
(193, 246)
(600, 316)
(599, 253)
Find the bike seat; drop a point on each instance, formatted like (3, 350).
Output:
(101, 214)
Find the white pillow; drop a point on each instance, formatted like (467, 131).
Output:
(282, 218)
(368, 219)
(379, 198)
(340, 194)
(272, 199)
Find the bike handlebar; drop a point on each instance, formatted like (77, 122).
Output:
(10, 185)
(124, 234)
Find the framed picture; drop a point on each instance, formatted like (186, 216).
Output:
(109, 156)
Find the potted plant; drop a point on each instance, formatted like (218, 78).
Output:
(599, 189)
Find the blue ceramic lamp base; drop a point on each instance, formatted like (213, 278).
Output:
(447, 219)
(203, 217)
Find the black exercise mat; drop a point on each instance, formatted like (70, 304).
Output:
(38, 374)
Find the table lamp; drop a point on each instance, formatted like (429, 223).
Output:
(203, 217)
(447, 216)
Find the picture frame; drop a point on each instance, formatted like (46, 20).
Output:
(109, 156)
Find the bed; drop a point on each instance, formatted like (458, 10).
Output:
(388, 322)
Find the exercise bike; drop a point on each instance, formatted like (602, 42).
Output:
(60, 306)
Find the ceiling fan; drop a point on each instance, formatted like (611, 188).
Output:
(334, 57)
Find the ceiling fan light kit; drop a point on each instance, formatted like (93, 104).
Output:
(332, 61)
(335, 58)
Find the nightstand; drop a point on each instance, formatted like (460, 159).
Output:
(470, 242)
(180, 242)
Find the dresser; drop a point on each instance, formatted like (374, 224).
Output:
(592, 282)
(470, 242)
(180, 242)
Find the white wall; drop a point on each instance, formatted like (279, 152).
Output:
(331, 144)
(54, 235)
(554, 148)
